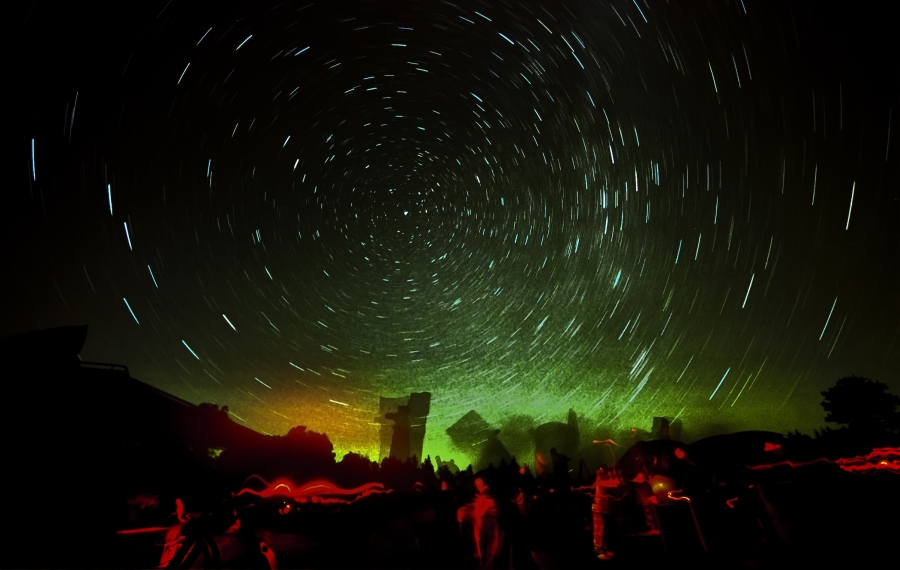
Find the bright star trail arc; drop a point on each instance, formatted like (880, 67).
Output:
(492, 202)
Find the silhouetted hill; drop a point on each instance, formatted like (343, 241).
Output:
(81, 435)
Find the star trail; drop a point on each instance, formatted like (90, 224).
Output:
(631, 209)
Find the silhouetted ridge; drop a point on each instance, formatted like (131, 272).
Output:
(57, 346)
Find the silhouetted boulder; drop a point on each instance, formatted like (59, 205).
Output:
(469, 435)
(493, 452)
(562, 436)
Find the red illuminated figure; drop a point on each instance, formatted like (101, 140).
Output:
(269, 554)
(186, 542)
(599, 509)
(645, 492)
(189, 541)
(482, 515)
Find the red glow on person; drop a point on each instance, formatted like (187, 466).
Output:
(481, 513)
(174, 536)
(599, 508)
(519, 501)
(269, 554)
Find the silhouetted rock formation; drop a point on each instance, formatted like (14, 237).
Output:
(478, 441)
(400, 437)
(562, 436)
(469, 430)
(387, 406)
(492, 452)
(419, 404)
(419, 408)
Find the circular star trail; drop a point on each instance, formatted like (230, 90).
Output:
(630, 209)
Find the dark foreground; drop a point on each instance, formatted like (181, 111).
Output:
(103, 471)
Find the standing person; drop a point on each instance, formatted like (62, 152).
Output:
(599, 509)
(482, 517)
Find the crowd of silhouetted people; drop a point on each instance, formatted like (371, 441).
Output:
(123, 475)
(737, 502)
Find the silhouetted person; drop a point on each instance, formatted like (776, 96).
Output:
(661, 429)
(599, 510)
(400, 437)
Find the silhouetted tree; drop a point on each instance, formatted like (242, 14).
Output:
(862, 404)
(212, 410)
(208, 433)
(356, 469)
(427, 475)
(358, 462)
(309, 443)
(209, 406)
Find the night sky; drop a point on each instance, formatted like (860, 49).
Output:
(629, 208)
